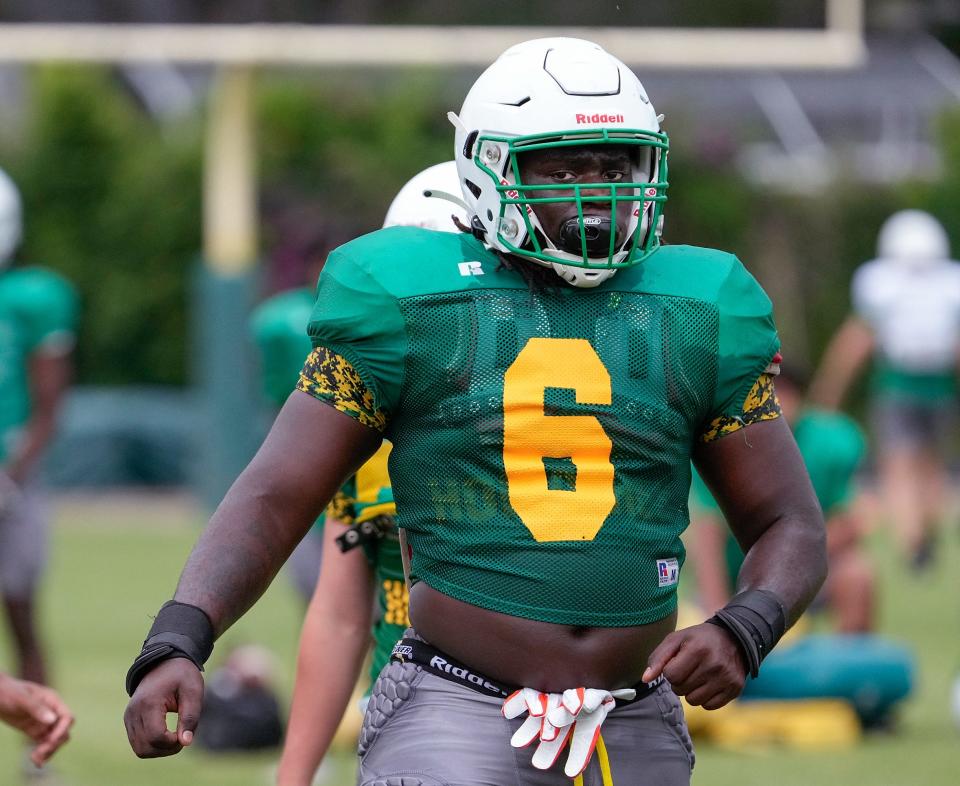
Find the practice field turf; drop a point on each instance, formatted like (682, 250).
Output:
(116, 559)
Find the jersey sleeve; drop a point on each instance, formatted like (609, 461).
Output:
(748, 344)
(48, 306)
(358, 320)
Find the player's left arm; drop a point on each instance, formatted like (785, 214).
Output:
(50, 372)
(759, 479)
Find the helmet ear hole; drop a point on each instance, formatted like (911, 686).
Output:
(468, 144)
(474, 188)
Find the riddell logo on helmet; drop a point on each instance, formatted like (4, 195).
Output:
(599, 118)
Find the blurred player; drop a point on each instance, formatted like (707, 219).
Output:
(38, 312)
(370, 562)
(906, 316)
(833, 447)
(545, 380)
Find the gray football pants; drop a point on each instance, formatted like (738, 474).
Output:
(424, 730)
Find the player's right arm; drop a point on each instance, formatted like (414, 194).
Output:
(844, 358)
(310, 451)
(340, 611)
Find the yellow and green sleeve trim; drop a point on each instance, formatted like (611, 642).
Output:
(761, 404)
(330, 377)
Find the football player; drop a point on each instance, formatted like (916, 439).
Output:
(545, 380)
(906, 318)
(38, 312)
(362, 554)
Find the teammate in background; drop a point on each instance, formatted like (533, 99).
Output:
(545, 380)
(369, 563)
(833, 447)
(38, 313)
(906, 317)
(38, 712)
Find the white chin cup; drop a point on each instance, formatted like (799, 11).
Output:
(585, 278)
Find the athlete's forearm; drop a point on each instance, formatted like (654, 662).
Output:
(307, 455)
(325, 680)
(789, 559)
(842, 362)
(339, 613)
(49, 378)
(248, 539)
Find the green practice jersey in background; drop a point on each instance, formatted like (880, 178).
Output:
(542, 438)
(38, 312)
(279, 329)
(833, 448)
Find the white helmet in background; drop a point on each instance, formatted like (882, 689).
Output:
(429, 199)
(914, 238)
(561, 92)
(11, 219)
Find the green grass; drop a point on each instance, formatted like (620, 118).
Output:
(115, 560)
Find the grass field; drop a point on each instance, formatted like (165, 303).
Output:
(116, 559)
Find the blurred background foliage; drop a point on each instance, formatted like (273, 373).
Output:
(113, 200)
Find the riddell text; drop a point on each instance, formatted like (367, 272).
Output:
(599, 118)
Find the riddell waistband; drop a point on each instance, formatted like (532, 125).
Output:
(439, 663)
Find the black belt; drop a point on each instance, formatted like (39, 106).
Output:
(436, 662)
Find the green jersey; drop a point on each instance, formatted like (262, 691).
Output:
(279, 329)
(542, 439)
(38, 313)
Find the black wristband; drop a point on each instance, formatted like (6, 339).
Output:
(179, 631)
(757, 621)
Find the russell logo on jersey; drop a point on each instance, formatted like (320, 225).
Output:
(668, 571)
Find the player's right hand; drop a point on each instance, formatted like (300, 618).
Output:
(174, 685)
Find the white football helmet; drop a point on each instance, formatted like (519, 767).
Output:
(914, 238)
(429, 199)
(11, 219)
(560, 92)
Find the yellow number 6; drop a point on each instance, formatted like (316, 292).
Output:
(530, 436)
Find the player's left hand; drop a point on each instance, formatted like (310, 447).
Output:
(702, 662)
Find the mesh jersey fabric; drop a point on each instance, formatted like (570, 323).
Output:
(38, 312)
(542, 438)
(278, 326)
(364, 496)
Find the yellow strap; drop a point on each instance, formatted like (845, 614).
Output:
(604, 761)
(578, 781)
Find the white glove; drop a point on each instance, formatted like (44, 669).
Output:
(576, 714)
